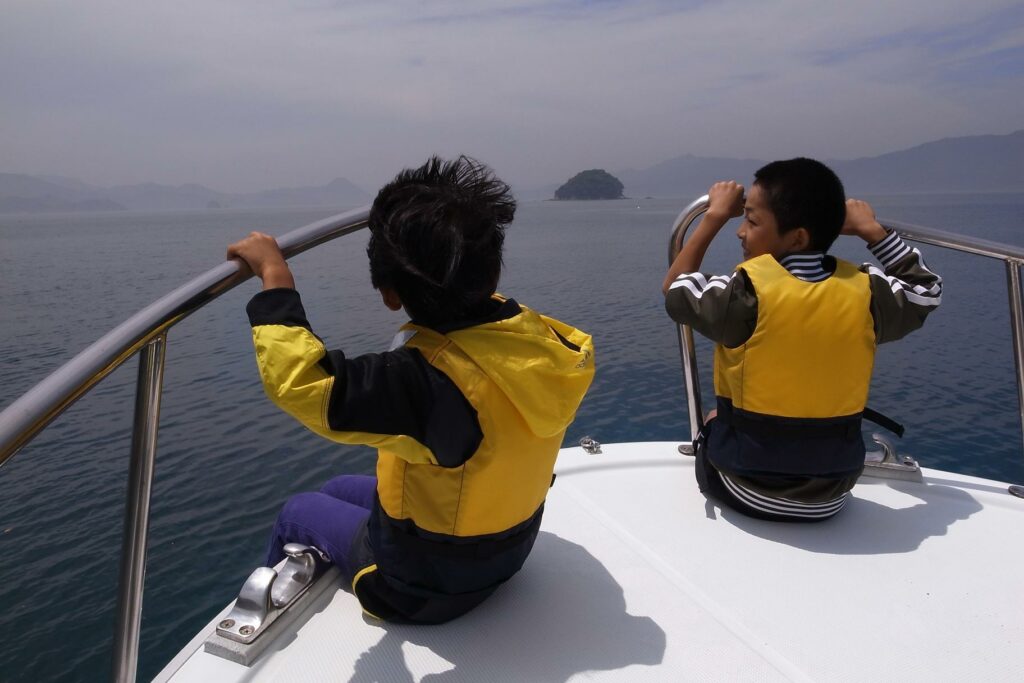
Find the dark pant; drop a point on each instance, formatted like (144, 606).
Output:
(329, 520)
(709, 481)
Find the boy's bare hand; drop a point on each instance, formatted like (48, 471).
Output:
(725, 200)
(861, 222)
(261, 254)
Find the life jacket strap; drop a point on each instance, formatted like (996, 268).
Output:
(791, 428)
(795, 428)
(884, 421)
(473, 549)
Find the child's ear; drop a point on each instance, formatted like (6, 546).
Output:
(800, 240)
(390, 298)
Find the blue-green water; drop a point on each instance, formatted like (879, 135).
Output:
(228, 459)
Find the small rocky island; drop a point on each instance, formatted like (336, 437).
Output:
(593, 184)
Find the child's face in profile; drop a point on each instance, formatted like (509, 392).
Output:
(759, 231)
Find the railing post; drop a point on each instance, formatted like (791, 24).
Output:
(687, 353)
(1013, 293)
(136, 516)
(692, 380)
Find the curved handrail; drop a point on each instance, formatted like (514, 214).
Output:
(29, 414)
(687, 353)
(1012, 257)
(952, 240)
(146, 331)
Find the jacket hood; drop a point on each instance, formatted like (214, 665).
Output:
(542, 365)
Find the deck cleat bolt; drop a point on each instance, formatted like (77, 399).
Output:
(246, 630)
(227, 623)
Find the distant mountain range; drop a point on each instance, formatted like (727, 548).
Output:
(981, 163)
(31, 194)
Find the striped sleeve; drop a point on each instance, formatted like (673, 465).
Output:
(723, 308)
(903, 292)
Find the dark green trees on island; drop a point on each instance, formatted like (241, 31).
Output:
(593, 184)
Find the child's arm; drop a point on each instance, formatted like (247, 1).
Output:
(725, 201)
(261, 254)
(723, 308)
(377, 399)
(906, 291)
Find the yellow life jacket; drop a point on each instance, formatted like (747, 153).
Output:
(525, 376)
(812, 351)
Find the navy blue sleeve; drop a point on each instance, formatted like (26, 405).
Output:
(399, 392)
(394, 393)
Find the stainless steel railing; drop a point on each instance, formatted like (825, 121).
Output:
(1012, 256)
(146, 331)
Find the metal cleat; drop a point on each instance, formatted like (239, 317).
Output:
(297, 574)
(886, 464)
(267, 593)
(251, 612)
(590, 445)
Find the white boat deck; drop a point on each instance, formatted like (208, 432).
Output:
(636, 576)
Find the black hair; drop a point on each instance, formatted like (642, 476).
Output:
(436, 237)
(804, 193)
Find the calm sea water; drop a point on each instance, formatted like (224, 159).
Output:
(228, 459)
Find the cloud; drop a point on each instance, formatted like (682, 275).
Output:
(243, 95)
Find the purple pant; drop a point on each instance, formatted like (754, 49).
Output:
(328, 520)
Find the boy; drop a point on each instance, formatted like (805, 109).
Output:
(467, 411)
(796, 332)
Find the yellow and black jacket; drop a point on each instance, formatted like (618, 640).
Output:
(467, 419)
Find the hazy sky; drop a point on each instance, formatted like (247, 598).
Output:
(251, 94)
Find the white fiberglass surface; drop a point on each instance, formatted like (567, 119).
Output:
(636, 576)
